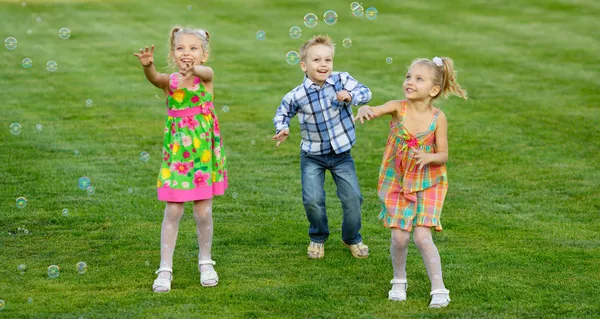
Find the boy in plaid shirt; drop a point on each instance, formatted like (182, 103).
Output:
(323, 103)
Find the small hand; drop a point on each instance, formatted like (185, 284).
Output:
(364, 113)
(344, 96)
(187, 70)
(281, 136)
(146, 56)
(422, 158)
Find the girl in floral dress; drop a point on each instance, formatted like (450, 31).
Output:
(412, 180)
(194, 162)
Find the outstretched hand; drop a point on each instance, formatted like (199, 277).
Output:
(281, 136)
(146, 56)
(364, 113)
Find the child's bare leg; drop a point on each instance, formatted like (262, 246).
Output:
(430, 255)
(204, 230)
(168, 236)
(399, 252)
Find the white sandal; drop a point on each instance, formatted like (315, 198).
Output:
(207, 275)
(162, 284)
(440, 298)
(398, 294)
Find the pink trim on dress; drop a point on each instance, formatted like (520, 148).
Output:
(167, 194)
(202, 109)
(174, 83)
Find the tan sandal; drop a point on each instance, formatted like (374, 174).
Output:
(316, 250)
(358, 250)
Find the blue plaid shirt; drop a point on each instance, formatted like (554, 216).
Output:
(325, 123)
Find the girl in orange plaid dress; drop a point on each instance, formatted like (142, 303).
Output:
(412, 180)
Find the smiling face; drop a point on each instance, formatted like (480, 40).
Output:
(418, 83)
(318, 63)
(188, 49)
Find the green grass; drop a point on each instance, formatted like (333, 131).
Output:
(521, 218)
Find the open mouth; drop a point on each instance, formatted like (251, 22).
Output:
(322, 71)
(409, 90)
(187, 60)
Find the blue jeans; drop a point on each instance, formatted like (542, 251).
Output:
(341, 166)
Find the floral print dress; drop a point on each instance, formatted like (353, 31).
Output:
(194, 163)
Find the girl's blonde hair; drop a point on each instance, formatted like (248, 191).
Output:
(444, 77)
(177, 31)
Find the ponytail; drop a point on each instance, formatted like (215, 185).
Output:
(449, 84)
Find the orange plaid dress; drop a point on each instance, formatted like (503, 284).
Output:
(409, 195)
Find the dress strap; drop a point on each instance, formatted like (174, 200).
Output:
(173, 82)
(434, 120)
(403, 103)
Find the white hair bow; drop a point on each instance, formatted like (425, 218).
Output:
(438, 61)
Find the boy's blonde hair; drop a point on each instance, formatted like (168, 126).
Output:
(177, 31)
(316, 40)
(444, 76)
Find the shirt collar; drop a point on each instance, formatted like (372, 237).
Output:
(308, 83)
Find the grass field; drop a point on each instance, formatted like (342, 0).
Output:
(521, 217)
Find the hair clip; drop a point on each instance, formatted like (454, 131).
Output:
(438, 61)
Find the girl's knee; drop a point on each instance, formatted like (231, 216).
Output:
(174, 210)
(422, 237)
(400, 239)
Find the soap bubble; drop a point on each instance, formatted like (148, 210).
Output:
(38, 19)
(389, 60)
(23, 4)
(22, 268)
(65, 212)
(53, 271)
(295, 32)
(189, 7)
(371, 13)
(81, 267)
(64, 33)
(51, 66)
(26, 63)
(252, 142)
(2, 304)
(144, 157)
(358, 11)
(76, 152)
(84, 182)
(234, 194)
(21, 202)
(91, 190)
(346, 43)
(354, 5)
(292, 57)
(311, 20)
(15, 128)
(330, 17)
(30, 300)
(29, 32)
(260, 35)
(39, 127)
(225, 108)
(10, 43)
(130, 190)
(89, 103)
